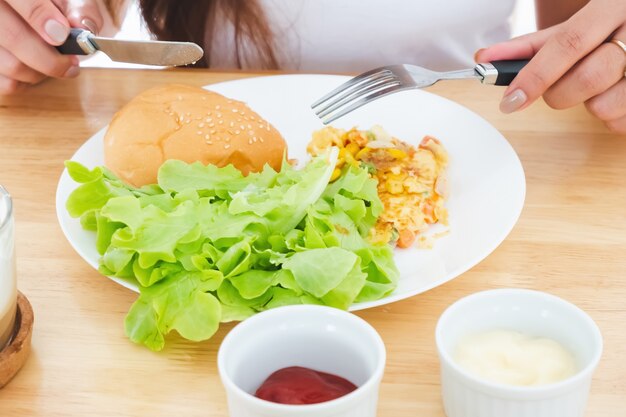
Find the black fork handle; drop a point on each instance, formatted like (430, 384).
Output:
(508, 70)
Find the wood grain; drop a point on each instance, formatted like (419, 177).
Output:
(570, 241)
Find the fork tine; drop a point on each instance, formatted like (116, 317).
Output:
(373, 96)
(356, 92)
(353, 81)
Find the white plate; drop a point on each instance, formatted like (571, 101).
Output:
(486, 177)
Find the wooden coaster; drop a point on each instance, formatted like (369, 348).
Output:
(16, 352)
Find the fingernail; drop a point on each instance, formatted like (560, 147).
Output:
(72, 72)
(90, 24)
(478, 53)
(56, 31)
(513, 101)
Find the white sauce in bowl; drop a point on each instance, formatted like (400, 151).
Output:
(513, 358)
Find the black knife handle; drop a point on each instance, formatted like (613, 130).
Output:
(508, 70)
(71, 46)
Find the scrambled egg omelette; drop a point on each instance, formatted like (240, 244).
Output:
(411, 181)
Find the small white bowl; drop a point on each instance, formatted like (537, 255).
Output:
(530, 312)
(321, 338)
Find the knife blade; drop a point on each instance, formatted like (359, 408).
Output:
(83, 42)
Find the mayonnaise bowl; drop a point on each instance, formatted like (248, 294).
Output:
(316, 337)
(529, 312)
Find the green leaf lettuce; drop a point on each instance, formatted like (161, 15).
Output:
(208, 245)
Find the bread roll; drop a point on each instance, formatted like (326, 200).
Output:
(190, 124)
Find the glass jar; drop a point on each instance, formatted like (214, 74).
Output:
(8, 278)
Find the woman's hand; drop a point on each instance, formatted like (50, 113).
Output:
(572, 62)
(29, 31)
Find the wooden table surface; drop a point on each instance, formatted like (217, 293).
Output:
(570, 241)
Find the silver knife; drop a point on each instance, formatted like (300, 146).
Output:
(83, 42)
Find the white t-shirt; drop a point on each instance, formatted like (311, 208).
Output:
(357, 35)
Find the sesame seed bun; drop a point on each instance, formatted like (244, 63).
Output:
(190, 124)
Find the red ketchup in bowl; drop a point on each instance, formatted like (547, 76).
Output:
(298, 385)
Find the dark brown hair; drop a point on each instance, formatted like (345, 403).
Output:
(195, 21)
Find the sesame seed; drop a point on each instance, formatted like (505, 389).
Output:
(252, 118)
(221, 122)
(237, 132)
(249, 127)
(242, 127)
(249, 141)
(201, 125)
(218, 107)
(261, 140)
(199, 132)
(208, 142)
(208, 119)
(235, 110)
(188, 121)
(226, 146)
(219, 115)
(212, 125)
(254, 139)
(250, 132)
(232, 124)
(207, 137)
(229, 102)
(212, 132)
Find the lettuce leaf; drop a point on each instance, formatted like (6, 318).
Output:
(208, 245)
(181, 302)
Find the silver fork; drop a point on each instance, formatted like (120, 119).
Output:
(383, 81)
